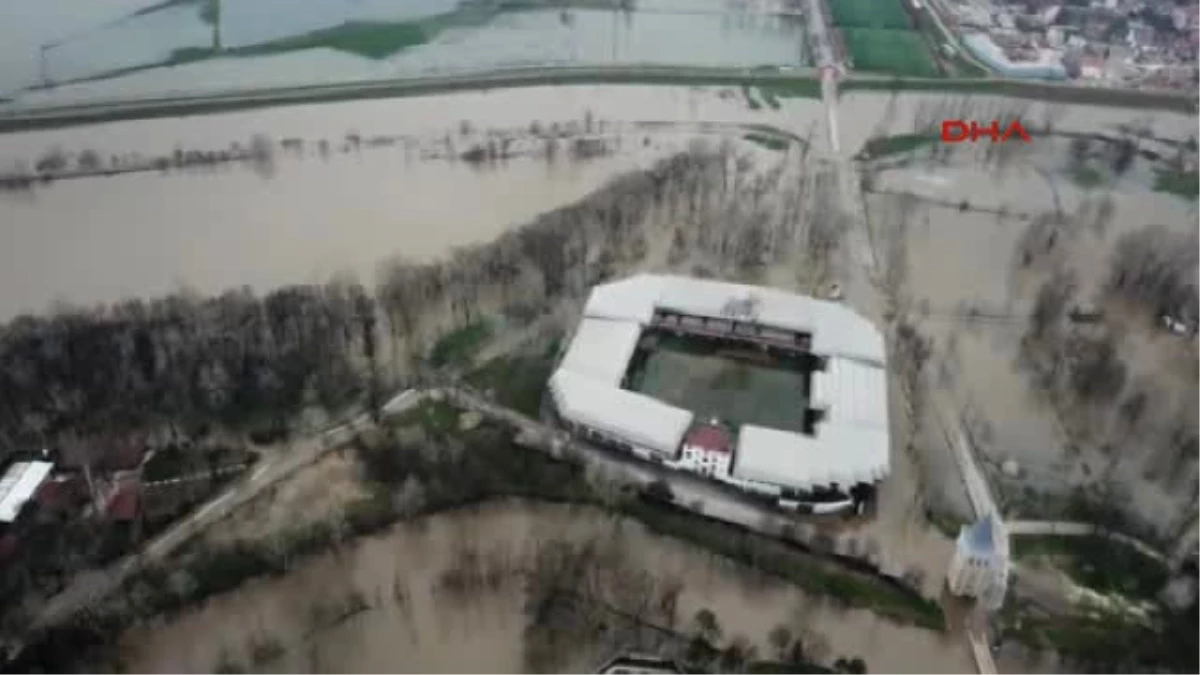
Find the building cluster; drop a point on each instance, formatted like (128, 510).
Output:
(829, 465)
(1130, 43)
(88, 478)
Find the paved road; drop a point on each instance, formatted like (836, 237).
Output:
(865, 289)
(17, 116)
(701, 495)
(1073, 529)
(91, 586)
(698, 494)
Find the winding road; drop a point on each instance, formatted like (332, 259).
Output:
(91, 586)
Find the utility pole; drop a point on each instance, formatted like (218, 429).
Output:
(216, 4)
(43, 70)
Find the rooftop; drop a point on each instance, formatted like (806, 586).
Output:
(710, 438)
(18, 485)
(849, 443)
(837, 330)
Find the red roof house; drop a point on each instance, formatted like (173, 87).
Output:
(62, 495)
(710, 438)
(125, 503)
(708, 450)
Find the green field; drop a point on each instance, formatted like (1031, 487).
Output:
(885, 50)
(713, 383)
(869, 14)
(880, 37)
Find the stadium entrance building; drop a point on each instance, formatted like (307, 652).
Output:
(777, 394)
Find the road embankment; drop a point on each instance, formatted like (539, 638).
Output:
(18, 118)
(804, 82)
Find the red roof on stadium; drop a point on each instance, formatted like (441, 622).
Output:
(711, 438)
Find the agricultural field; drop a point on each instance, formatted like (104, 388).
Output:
(880, 37)
(881, 50)
(888, 14)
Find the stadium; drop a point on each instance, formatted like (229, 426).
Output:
(777, 394)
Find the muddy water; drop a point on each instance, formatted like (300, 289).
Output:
(866, 114)
(427, 631)
(960, 259)
(104, 239)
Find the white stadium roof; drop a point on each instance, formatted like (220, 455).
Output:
(601, 350)
(639, 419)
(852, 393)
(850, 443)
(836, 330)
(18, 485)
(835, 454)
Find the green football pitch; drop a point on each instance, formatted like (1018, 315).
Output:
(869, 14)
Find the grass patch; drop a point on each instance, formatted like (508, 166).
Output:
(882, 146)
(1087, 177)
(1103, 564)
(458, 347)
(881, 50)
(731, 384)
(369, 39)
(946, 524)
(779, 560)
(768, 142)
(517, 381)
(869, 14)
(436, 417)
(1182, 183)
(798, 88)
(1080, 639)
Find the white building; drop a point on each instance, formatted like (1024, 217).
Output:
(1048, 65)
(849, 443)
(18, 485)
(980, 566)
(707, 450)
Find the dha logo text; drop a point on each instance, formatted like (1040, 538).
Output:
(957, 131)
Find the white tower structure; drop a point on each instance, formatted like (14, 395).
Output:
(980, 565)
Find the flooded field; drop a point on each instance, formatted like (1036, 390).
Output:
(357, 184)
(957, 230)
(411, 619)
(274, 43)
